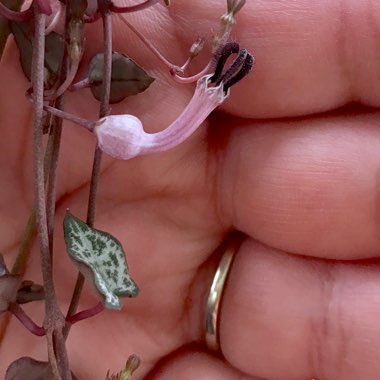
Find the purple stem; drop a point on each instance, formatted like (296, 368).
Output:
(95, 175)
(88, 313)
(14, 15)
(20, 314)
(54, 320)
(84, 83)
(132, 8)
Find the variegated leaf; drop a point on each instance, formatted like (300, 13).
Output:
(104, 256)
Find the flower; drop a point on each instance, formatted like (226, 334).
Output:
(123, 136)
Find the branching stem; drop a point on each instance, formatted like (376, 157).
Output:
(104, 110)
(85, 314)
(54, 320)
(20, 314)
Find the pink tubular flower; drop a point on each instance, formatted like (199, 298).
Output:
(123, 136)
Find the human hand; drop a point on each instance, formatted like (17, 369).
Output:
(298, 175)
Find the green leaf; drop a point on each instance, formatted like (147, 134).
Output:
(127, 79)
(54, 47)
(104, 256)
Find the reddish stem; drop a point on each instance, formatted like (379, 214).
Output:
(88, 313)
(14, 15)
(20, 314)
(132, 8)
(92, 19)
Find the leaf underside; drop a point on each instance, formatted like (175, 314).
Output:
(104, 256)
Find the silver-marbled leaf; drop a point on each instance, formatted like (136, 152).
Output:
(104, 256)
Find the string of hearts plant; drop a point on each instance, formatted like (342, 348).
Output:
(50, 61)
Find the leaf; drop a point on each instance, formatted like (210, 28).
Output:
(8, 290)
(54, 47)
(27, 368)
(127, 79)
(15, 5)
(104, 256)
(8, 286)
(29, 292)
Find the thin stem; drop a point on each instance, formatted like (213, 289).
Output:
(133, 8)
(88, 124)
(186, 80)
(20, 314)
(107, 39)
(55, 20)
(148, 44)
(68, 79)
(55, 133)
(27, 240)
(84, 83)
(104, 110)
(38, 88)
(51, 353)
(88, 313)
(174, 69)
(54, 319)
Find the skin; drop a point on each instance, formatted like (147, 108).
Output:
(292, 160)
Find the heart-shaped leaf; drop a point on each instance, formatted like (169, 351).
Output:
(104, 256)
(27, 368)
(127, 79)
(54, 47)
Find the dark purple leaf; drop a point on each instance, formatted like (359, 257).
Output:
(8, 286)
(29, 291)
(8, 290)
(54, 47)
(27, 368)
(127, 79)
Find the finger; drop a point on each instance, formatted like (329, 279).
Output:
(308, 186)
(311, 56)
(191, 364)
(286, 317)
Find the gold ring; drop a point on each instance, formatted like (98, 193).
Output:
(216, 291)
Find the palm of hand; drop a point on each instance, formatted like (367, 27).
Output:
(279, 182)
